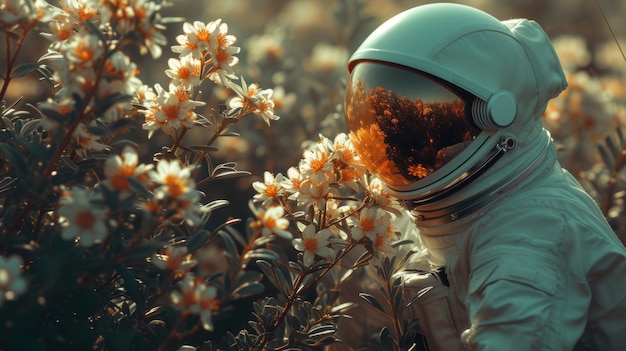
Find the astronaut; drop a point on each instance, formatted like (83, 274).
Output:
(444, 104)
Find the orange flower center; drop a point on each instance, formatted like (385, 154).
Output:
(209, 304)
(63, 34)
(221, 39)
(171, 112)
(84, 52)
(182, 95)
(184, 73)
(175, 185)
(317, 164)
(367, 224)
(221, 55)
(264, 106)
(85, 219)
(348, 175)
(310, 244)
(270, 223)
(190, 45)
(173, 262)
(271, 190)
(120, 179)
(189, 298)
(203, 35)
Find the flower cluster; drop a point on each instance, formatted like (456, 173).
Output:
(79, 201)
(206, 51)
(327, 182)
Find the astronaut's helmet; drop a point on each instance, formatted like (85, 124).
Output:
(433, 95)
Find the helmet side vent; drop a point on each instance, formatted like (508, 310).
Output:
(496, 113)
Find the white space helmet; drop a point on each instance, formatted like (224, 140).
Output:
(438, 93)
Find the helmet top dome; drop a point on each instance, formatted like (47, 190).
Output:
(434, 89)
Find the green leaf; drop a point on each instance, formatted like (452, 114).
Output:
(130, 283)
(248, 276)
(204, 147)
(24, 69)
(270, 273)
(30, 126)
(363, 260)
(262, 253)
(399, 243)
(231, 174)
(370, 299)
(140, 187)
(322, 330)
(419, 295)
(198, 240)
(15, 158)
(58, 117)
(248, 289)
(341, 308)
(50, 55)
(609, 161)
(140, 253)
(111, 100)
(385, 340)
(229, 244)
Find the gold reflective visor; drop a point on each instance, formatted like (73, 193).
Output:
(404, 125)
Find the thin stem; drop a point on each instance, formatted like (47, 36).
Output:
(606, 20)
(179, 139)
(11, 60)
(394, 317)
(608, 201)
(298, 291)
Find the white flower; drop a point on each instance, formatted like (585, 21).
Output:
(174, 109)
(208, 304)
(253, 99)
(210, 260)
(197, 298)
(292, 183)
(174, 181)
(269, 189)
(83, 48)
(313, 243)
(266, 47)
(317, 165)
(273, 222)
(118, 169)
(328, 58)
(175, 259)
(316, 194)
(12, 283)
(63, 106)
(372, 221)
(83, 218)
(86, 141)
(184, 71)
(196, 40)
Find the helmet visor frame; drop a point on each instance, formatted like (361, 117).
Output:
(406, 124)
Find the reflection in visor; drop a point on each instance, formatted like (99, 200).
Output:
(404, 125)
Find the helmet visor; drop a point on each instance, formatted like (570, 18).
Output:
(404, 124)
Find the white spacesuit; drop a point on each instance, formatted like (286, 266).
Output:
(444, 105)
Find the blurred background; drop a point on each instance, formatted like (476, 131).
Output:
(299, 48)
